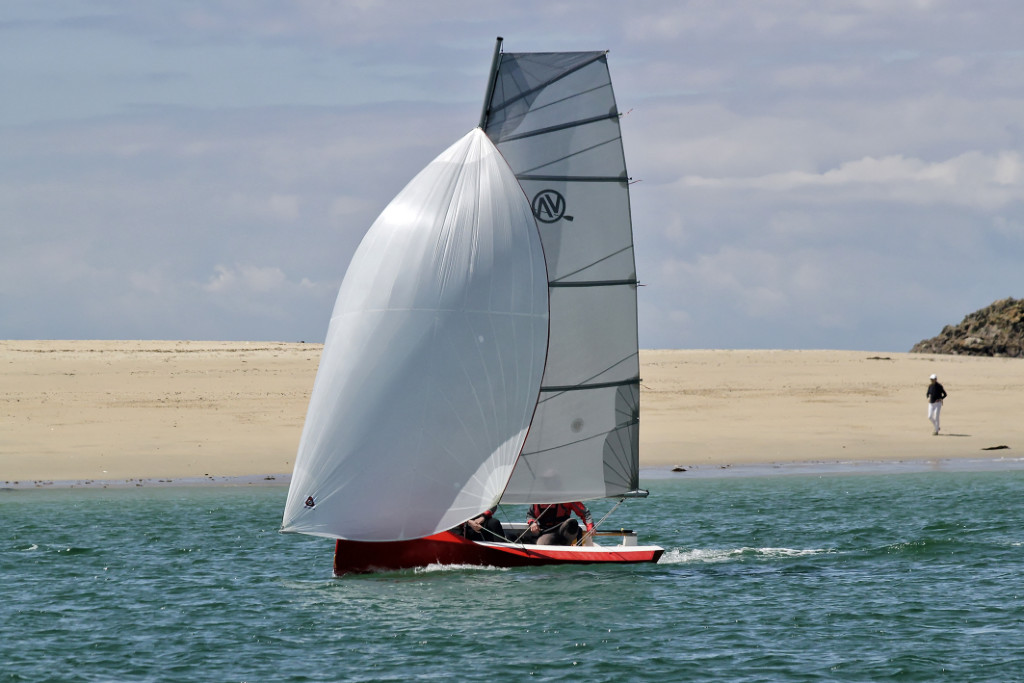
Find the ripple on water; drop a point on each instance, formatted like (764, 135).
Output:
(852, 578)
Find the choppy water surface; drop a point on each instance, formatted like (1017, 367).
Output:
(911, 577)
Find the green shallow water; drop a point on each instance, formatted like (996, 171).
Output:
(868, 577)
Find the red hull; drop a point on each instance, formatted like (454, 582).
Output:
(449, 548)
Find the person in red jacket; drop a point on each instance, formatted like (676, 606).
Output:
(552, 524)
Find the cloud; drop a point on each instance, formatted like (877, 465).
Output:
(207, 171)
(245, 279)
(277, 208)
(972, 179)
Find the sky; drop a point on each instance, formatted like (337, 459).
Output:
(807, 175)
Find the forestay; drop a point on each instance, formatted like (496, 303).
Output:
(554, 118)
(433, 359)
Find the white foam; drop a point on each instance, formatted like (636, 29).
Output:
(711, 555)
(458, 568)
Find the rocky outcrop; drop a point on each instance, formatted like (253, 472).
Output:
(996, 330)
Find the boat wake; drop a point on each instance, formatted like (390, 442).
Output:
(432, 568)
(712, 555)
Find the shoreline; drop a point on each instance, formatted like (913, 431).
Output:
(659, 473)
(163, 412)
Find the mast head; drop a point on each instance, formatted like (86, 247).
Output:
(490, 83)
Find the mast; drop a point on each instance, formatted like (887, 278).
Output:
(490, 82)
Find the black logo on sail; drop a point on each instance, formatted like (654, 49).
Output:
(549, 206)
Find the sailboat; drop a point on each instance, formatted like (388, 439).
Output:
(483, 347)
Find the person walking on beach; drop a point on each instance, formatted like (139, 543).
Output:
(935, 395)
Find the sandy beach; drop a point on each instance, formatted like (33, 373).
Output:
(164, 411)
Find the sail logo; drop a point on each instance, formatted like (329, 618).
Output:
(549, 206)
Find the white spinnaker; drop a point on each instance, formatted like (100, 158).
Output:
(433, 359)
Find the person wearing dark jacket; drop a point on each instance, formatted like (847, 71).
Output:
(552, 524)
(484, 527)
(935, 395)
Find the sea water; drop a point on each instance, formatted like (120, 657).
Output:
(862, 577)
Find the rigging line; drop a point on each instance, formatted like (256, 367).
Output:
(497, 538)
(508, 517)
(626, 382)
(577, 153)
(579, 441)
(623, 250)
(572, 95)
(562, 445)
(628, 247)
(623, 449)
(562, 74)
(589, 534)
(561, 126)
(519, 538)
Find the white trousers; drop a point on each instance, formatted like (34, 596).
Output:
(933, 413)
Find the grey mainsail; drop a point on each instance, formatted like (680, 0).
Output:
(553, 117)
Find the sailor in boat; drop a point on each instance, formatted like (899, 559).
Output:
(483, 527)
(553, 524)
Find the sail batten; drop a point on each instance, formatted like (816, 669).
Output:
(559, 127)
(574, 179)
(594, 283)
(594, 385)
